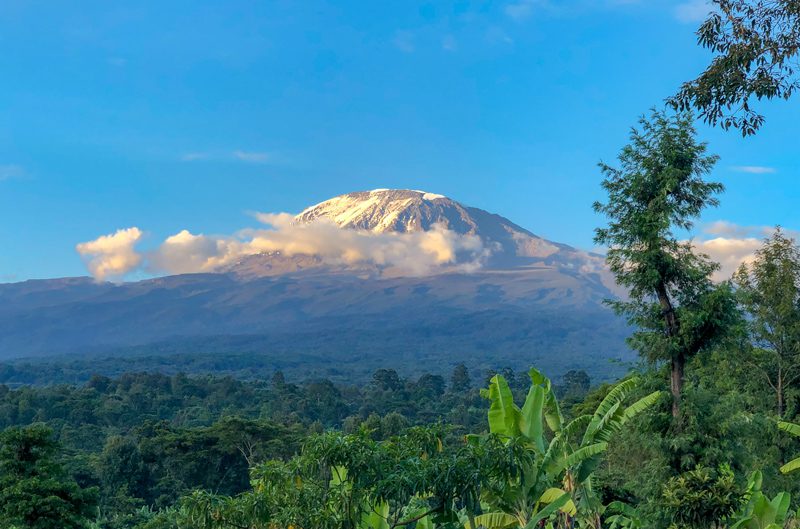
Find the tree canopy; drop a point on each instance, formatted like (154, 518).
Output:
(755, 45)
(658, 189)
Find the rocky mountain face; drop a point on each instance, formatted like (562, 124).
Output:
(407, 211)
(402, 211)
(531, 301)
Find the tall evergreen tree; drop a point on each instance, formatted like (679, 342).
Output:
(659, 187)
(35, 492)
(769, 290)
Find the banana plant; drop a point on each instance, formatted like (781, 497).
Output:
(620, 515)
(519, 505)
(507, 420)
(528, 496)
(760, 512)
(793, 429)
(569, 457)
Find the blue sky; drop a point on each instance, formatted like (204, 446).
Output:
(189, 114)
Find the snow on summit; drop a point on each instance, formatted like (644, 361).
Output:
(411, 211)
(391, 210)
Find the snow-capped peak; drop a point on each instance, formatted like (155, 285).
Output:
(409, 210)
(391, 210)
(402, 211)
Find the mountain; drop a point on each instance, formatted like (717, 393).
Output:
(526, 300)
(406, 211)
(403, 211)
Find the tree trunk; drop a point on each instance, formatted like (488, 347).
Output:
(672, 327)
(676, 383)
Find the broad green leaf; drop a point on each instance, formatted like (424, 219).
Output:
(575, 425)
(537, 378)
(495, 520)
(553, 494)
(755, 481)
(599, 424)
(780, 504)
(642, 404)
(580, 455)
(587, 467)
(338, 475)
(552, 413)
(763, 509)
(617, 394)
(621, 508)
(425, 523)
(503, 413)
(545, 513)
(792, 428)
(376, 517)
(791, 466)
(555, 451)
(743, 522)
(530, 419)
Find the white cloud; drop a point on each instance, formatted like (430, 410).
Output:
(725, 228)
(729, 253)
(395, 254)
(693, 11)
(251, 157)
(754, 169)
(112, 256)
(415, 253)
(10, 171)
(732, 244)
(185, 253)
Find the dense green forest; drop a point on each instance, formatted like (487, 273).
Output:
(143, 440)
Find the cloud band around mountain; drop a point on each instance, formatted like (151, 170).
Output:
(113, 256)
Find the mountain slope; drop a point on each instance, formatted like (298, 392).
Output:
(403, 211)
(532, 301)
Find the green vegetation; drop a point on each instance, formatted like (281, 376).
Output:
(769, 290)
(659, 188)
(35, 491)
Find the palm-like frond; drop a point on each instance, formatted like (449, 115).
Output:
(642, 404)
(790, 427)
(791, 466)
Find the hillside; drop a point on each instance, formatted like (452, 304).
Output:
(530, 301)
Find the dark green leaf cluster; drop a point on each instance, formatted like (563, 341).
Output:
(756, 44)
(35, 492)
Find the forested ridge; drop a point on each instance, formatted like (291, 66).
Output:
(143, 439)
